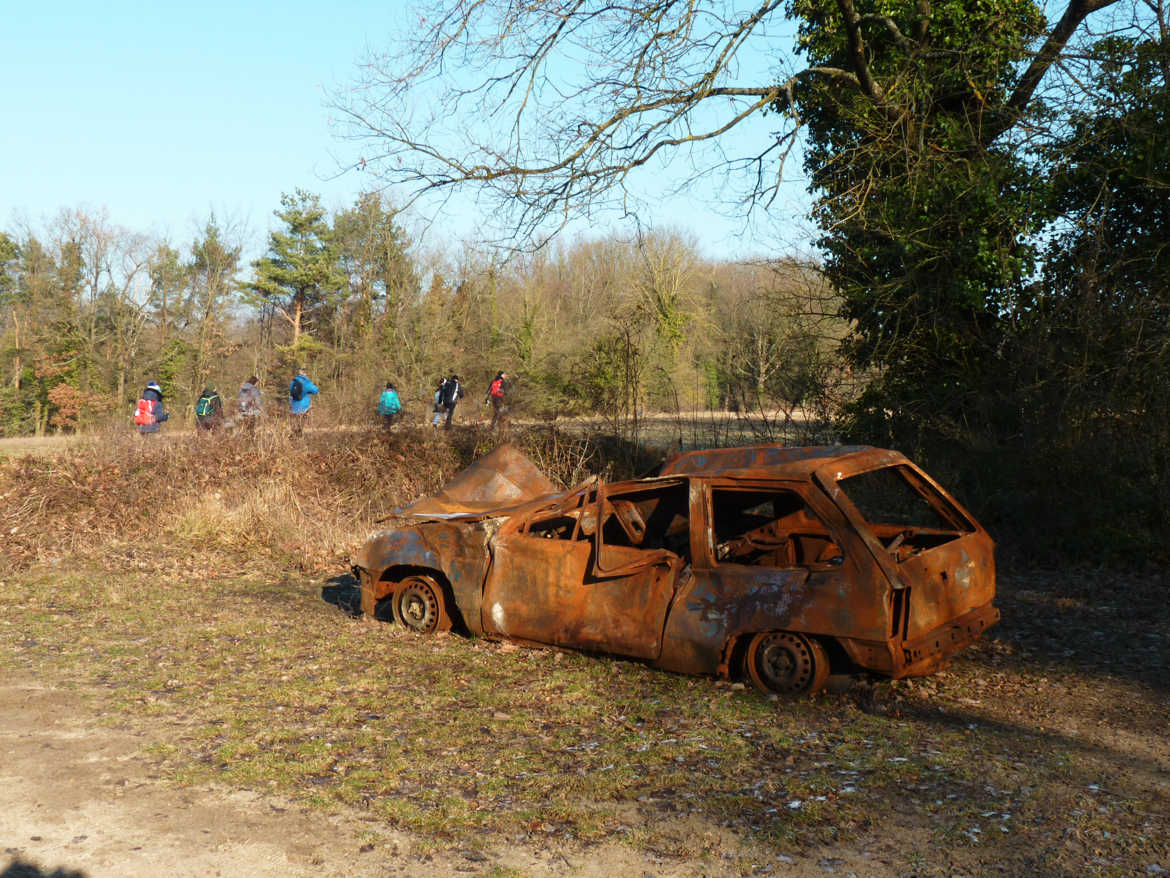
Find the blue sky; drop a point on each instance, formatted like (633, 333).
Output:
(162, 114)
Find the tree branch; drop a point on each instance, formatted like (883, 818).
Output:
(857, 51)
(1074, 14)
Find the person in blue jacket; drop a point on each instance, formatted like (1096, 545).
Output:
(389, 405)
(299, 391)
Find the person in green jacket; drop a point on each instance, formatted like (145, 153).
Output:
(389, 406)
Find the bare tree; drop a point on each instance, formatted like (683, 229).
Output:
(550, 108)
(111, 267)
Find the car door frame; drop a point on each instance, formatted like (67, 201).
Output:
(555, 591)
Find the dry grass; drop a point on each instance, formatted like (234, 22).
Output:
(266, 494)
(23, 446)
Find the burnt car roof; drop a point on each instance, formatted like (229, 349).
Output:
(504, 480)
(499, 482)
(773, 460)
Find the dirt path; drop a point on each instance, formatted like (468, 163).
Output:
(75, 795)
(79, 798)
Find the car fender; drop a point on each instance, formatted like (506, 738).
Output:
(457, 550)
(396, 546)
(709, 611)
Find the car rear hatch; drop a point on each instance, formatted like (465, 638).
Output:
(939, 560)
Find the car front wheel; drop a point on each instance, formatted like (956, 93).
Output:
(420, 605)
(786, 663)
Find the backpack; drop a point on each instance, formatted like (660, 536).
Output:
(205, 406)
(497, 388)
(144, 413)
(296, 390)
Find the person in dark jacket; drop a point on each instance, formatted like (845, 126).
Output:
(452, 393)
(440, 389)
(208, 410)
(250, 403)
(149, 414)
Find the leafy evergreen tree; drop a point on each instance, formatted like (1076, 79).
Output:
(1094, 353)
(926, 216)
(301, 273)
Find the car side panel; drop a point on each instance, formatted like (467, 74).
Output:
(543, 591)
(718, 602)
(710, 607)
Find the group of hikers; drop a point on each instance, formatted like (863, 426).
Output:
(150, 412)
(449, 391)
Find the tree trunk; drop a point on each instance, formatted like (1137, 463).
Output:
(17, 364)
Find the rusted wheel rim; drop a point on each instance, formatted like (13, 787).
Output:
(790, 664)
(418, 606)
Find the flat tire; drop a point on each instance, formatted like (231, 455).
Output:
(786, 663)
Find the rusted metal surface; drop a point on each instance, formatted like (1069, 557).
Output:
(776, 564)
(454, 553)
(758, 459)
(545, 591)
(502, 480)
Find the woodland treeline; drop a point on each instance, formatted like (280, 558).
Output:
(609, 326)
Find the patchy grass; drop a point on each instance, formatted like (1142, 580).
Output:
(266, 684)
(214, 615)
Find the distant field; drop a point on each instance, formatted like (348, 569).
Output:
(36, 445)
(664, 431)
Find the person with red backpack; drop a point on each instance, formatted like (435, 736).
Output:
(149, 413)
(497, 390)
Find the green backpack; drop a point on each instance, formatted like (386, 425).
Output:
(205, 406)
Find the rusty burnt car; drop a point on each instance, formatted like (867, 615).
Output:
(774, 563)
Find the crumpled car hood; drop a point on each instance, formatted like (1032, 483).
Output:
(497, 483)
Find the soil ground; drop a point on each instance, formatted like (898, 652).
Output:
(1071, 741)
(79, 798)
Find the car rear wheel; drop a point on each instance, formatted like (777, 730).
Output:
(786, 663)
(420, 605)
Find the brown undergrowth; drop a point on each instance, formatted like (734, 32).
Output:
(303, 501)
(267, 496)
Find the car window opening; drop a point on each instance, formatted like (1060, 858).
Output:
(769, 528)
(650, 520)
(904, 512)
(565, 523)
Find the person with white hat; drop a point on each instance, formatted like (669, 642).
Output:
(149, 413)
